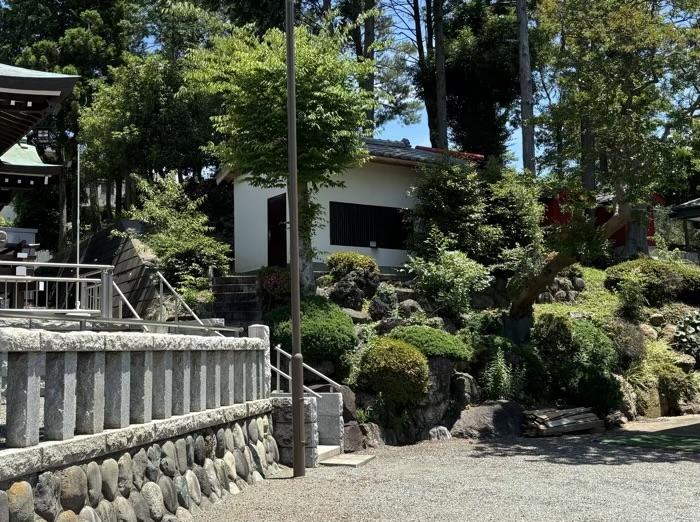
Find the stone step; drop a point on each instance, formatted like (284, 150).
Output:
(235, 306)
(234, 288)
(236, 280)
(236, 297)
(232, 318)
(327, 452)
(351, 460)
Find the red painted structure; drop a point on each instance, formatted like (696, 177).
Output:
(554, 214)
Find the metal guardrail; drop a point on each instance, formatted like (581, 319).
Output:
(280, 373)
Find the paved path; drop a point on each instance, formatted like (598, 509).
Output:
(555, 479)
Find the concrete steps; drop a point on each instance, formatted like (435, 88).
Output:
(327, 452)
(350, 460)
(236, 301)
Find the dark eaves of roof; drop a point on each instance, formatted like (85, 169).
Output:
(402, 150)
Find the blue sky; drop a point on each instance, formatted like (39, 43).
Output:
(418, 135)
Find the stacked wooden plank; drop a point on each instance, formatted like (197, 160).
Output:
(541, 423)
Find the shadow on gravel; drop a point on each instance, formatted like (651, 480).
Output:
(577, 451)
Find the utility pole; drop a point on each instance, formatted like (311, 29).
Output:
(299, 455)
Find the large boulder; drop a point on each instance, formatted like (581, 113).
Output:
(490, 420)
(349, 404)
(366, 281)
(465, 390)
(433, 407)
(379, 310)
(409, 308)
(357, 316)
(346, 294)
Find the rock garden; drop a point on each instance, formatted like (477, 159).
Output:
(427, 354)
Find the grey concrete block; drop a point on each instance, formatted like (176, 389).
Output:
(286, 457)
(23, 407)
(214, 379)
(262, 332)
(198, 392)
(250, 374)
(239, 365)
(330, 404)
(118, 382)
(163, 392)
(284, 435)
(59, 395)
(90, 398)
(228, 382)
(182, 380)
(141, 387)
(330, 430)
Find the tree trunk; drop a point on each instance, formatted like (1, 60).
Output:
(527, 103)
(636, 241)
(118, 205)
(62, 212)
(108, 200)
(95, 222)
(440, 78)
(588, 155)
(306, 251)
(523, 303)
(368, 52)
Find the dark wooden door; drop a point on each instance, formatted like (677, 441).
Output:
(277, 231)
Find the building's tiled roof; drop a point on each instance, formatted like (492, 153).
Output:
(402, 150)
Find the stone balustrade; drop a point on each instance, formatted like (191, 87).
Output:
(101, 381)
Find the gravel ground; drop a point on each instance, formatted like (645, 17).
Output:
(557, 479)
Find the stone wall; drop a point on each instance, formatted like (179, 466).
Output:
(329, 411)
(284, 434)
(168, 481)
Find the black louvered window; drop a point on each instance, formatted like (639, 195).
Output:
(367, 226)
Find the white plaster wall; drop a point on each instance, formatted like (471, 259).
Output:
(373, 184)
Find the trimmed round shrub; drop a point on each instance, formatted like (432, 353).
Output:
(433, 343)
(341, 264)
(397, 370)
(662, 281)
(326, 331)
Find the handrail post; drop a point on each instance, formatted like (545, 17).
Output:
(279, 362)
(106, 295)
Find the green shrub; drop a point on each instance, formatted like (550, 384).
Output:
(326, 331)
(274, 286)
(341, 264)
(386, 293)
(501, 381)
(432, 342)
(450, 279)
(662, 281)
(484, 323)
(687, 336)
(628, 340)
(397, 370)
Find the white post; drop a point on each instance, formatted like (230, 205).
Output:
(77, 239)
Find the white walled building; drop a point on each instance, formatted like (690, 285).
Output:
(365, 216)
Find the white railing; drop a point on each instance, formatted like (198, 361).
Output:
(279, 373)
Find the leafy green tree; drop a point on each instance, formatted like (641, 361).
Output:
(621, 80)
(249, 74)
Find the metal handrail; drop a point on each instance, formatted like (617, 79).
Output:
(330, 381)
(180, 299)
(29, 279)
(66, 316)
(128, 304)
(57, 265)
(280, 372)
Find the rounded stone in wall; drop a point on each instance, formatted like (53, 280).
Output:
(193, 487)
(125, 512)
(181, 452)
(46, 494)
(251, 465)
(110, 478)
(215, 499)
(242, 466)
(140, 506)
(233, 488)
(4, 507)
(126, 475)
(183, 515)
(266, 425)
(74, 489)
(238, 436)
(210, 470)
(153, 454)
(94, 478)
(67, 516)
(210, 443)
(242, 484)
(230, 463)
(200, 450)
(20, 500)
(140, 465)
(220, 443)
(189, 442)
(168, 517)
(203, 480)
(221, 474)
(228, 440)
(88, 514)
(261, 427)
(183, 494)
(168, 450)
(273, 448)
(153, 496)
(257, 477)
(167, 488)
(169, 467)
(105, 510)
(252, 431)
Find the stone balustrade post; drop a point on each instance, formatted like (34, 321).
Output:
(239, 368)
(23, 392)
(163, 390)
(60, 395)
(118, 383)
(90, 396)
(198, 400)
(263, 332)
(181, 382)
(142, 386)
(214, 379)
(228, 381)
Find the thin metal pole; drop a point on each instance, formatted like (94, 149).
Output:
(77, 239)
(299, 442)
